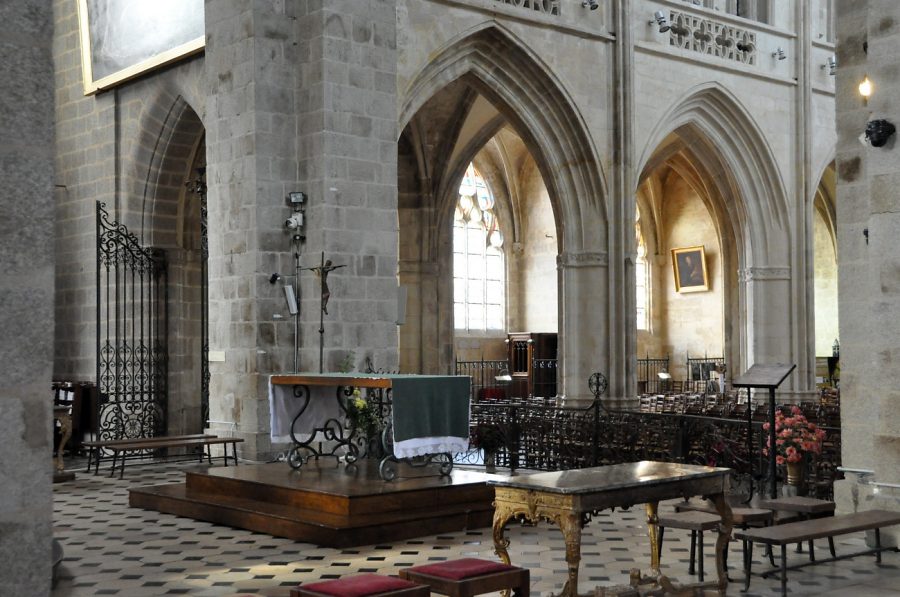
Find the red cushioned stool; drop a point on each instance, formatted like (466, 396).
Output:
(470, 576)
(361, 585)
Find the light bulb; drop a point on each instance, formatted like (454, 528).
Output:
(865, 88)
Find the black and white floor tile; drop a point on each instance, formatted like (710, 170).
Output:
(112, 549)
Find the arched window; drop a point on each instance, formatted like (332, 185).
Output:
(479, 273)
(642, 278)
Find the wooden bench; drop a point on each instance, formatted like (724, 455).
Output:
(816, 528)
(122, 449)
(95, 447)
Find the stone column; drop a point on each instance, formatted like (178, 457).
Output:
(26, 295)
(768, 309)
(347, 151)
(868, 218)
(584, 329)
(250, 60)
(302, 98)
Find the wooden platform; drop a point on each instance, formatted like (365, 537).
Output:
(328, 504)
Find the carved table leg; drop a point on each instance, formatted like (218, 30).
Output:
(570, 525)
(653, 529)
(65, 430)
(502, 514)
(725, 528)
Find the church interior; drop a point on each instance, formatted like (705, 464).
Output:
(371, 297)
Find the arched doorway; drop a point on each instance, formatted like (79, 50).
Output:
(173, 219)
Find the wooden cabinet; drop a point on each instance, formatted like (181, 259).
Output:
(532, 363)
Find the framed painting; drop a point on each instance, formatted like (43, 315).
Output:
(689, 264)
(121, 39)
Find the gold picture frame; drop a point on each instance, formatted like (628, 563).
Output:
(689, 266)
(122, 39)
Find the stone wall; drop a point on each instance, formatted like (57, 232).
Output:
(868, 216)
(26, 295)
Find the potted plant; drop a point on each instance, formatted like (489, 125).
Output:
(795, 437)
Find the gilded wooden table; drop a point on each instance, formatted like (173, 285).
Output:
(568, 498)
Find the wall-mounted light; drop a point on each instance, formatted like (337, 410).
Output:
(866, 87)
(779, 54)
(879, 131)
(297, 222)
(659, 18)
(592, 4)
(830, 65)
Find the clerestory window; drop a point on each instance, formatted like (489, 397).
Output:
(479, 273)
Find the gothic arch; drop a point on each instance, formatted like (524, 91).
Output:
(169, 137)
(721, 131)
(509, 75)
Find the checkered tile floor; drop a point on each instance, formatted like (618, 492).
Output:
(111, 549)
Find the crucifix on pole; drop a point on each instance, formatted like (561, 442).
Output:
(322, 270)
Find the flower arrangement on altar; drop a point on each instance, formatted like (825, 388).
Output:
(362, 415)
(794, 436)
(487, 436)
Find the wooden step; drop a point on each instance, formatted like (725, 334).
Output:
(328, 504)
(311, 526)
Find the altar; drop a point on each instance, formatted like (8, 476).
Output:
(423, 415)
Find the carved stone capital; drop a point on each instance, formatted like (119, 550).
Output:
(766, 273)
(584, 259)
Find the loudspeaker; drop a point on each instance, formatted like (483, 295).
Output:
(401, 305)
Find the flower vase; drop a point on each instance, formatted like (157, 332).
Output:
(794, 474)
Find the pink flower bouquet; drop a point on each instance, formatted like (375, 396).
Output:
(794, 436)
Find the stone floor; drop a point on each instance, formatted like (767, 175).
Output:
(111, 549)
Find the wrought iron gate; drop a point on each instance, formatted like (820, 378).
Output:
(197, 186)
(132, 343)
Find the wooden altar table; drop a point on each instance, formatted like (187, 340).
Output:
(567, 498)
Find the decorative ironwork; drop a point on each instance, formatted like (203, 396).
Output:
(648, 370)
(132, 343)
(698, 371)
(699, 34)
(334, 431)
(542, 435)
(198, 187)
(548, 7)
(484, 376)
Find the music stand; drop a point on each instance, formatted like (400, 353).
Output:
(763, 377)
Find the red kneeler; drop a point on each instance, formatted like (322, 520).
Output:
(470, 576)
(361, 585)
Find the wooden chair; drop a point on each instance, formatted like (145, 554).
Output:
(362, 585)
(470, 576)
(696, 523)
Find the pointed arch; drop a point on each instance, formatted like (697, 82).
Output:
(714, 124)
(503, 69)
(171, 132)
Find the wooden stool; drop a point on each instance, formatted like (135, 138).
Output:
(361, 585)
(696, 523)
(470, 576)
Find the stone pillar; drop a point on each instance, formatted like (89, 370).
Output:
(250, 60)
(584, 329)
(302, 98)
(868, 218)
(347, 151)
(420, 332)
(768, 308)
(26, 295)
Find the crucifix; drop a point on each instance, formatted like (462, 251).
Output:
(322, 270)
